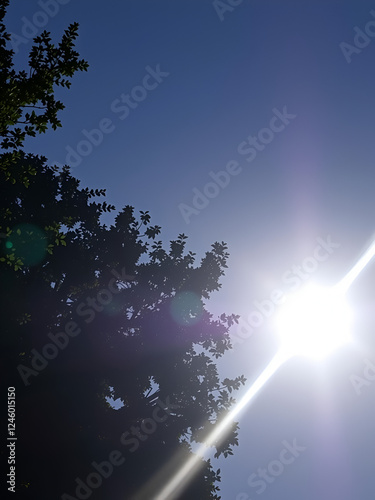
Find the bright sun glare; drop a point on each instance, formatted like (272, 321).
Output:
(314, 321)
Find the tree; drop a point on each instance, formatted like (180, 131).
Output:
(92, 311)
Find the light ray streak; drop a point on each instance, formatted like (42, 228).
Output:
(358, 267)
(178, 482)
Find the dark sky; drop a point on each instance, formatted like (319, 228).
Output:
(221, 78)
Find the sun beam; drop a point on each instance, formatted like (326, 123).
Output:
(185, 474)
(348, 279)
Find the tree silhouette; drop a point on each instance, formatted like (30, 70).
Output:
(92, 312)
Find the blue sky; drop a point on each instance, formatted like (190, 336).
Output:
(222, 77)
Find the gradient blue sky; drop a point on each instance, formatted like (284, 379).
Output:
(315, 178)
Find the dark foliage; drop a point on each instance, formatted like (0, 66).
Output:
(147, 338)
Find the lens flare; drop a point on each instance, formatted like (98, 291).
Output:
(186, 308)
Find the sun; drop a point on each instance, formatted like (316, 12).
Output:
(314, 321)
